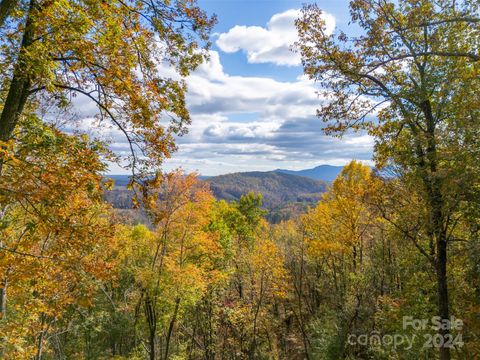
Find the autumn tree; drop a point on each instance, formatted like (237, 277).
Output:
(258, 282)
(111, 53)
(179, 260)
(415, 66)
(339, 235)
(303, 296)
(56, 236)
(407, 282)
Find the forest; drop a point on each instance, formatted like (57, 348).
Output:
(385, 265)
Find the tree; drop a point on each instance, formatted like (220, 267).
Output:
(257, 285)
(110, 52)
(416, 64)
(56, 236)
(179, 260)
(340, 233)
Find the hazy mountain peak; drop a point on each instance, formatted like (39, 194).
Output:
(321, 172)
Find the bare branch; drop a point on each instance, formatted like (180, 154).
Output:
(112, 117)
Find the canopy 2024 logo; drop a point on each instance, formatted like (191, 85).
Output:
(406, 341)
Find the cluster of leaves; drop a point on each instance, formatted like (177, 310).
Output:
(110, 52)
(55, 233)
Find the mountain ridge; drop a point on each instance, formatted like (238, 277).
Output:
(326, 173)
(276, 187)
(284, 195)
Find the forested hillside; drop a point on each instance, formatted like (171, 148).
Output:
(283, 195)
(377, 265)
(276, 188)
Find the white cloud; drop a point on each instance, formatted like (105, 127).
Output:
(235, 130)
(246, 123)
(211, 91)
(270, 44)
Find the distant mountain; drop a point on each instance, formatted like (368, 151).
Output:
(323, 172)
(120, 180)
(284, 195)
(123, 180)
(326, 173)
(277, 188)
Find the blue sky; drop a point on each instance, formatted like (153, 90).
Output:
(251, 107)
(257, 13)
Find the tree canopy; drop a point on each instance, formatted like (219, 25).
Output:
(115, 54)
(411, 80)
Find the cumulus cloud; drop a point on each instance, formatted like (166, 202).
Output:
(244, 123)
(247, 123)
(211, 91)
(270, 44)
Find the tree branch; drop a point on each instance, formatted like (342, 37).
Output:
(112, 117)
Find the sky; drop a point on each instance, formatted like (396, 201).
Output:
(251, 107)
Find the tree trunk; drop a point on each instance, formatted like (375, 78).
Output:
(3, 299)
(18, 91)
(41, 336)
(437, 216)
(152, 326)
(152, 344)
(442, 290)
(170, 328)
(40, 347)
(441, 267)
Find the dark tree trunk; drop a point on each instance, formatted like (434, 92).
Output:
(18, 90)
(170, 328)
(442, 290)
(152, 345)
(152, 326)
(437, 217)
(3, 298)
(441, 267)
(14, 104)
